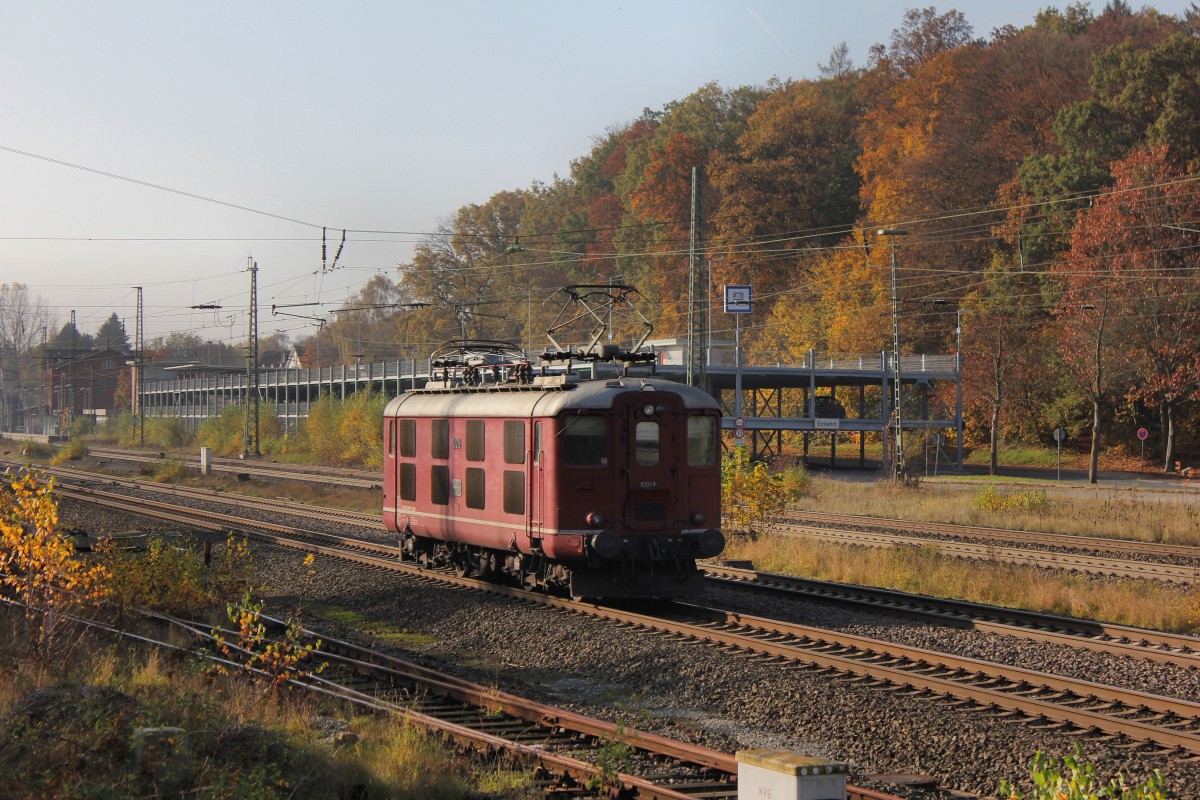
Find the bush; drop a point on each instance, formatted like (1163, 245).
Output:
(81, 426)
(992, 500)
(1079, 782)
(169, 574)
(347, 432)
(226, 433)
(115, 429)
(168, 471)
(752, 496)
(74, 450)
(166, 432)
(122, 429)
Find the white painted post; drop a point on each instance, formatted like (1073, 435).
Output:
(205, 460)
(784, 775)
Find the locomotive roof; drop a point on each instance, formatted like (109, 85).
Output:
(539, 401)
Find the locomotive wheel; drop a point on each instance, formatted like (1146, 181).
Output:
(462, 566)
(487, 566)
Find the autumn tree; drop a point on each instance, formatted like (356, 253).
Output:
(999, 342)
(38, 565)
(1160, 312)
(788, 189)
(1115, 284)
(461, 270)
(1139, 89)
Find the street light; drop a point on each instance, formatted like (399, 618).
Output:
(898, 461)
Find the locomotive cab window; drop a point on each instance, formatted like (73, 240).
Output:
(408, 438)
(514, 441)
(646, 443)
(439, 485)
(476, 447)
(702, 441)
(476, 488)
(439, 440)
(585, 441)
(408, 481)
(514, 492)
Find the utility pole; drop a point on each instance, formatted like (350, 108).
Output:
(252, 365)
(697, 293)
(898, 461)
(139, 383)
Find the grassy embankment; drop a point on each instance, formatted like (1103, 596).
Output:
(88, 715)
(70, 731)
(924, 571)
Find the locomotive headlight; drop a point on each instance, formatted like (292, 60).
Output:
(648, 409)
(698, 518)
(595, 519)
(660, 409)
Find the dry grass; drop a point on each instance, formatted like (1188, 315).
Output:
(1155, 518)
(295, 747)
(1133, 514)
(924, 571)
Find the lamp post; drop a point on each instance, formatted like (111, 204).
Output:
(898, 459)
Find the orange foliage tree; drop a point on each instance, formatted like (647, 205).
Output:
(38, 564)
(1134, 230)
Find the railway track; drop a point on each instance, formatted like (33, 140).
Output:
(1121, 558)
(1140, 643)
(1003, 536)
(1157, 646)
(1046, 701)
(568, 750)
(309, 473)
(994, 552)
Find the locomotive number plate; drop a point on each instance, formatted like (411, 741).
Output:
(649, 484)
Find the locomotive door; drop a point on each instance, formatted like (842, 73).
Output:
(537, 469)
(650, 459)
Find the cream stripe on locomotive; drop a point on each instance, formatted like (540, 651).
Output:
(476, 520)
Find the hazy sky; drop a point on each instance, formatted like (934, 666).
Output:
(383, 116)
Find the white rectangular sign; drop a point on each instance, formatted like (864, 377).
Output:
(738, 300)
(824, 424)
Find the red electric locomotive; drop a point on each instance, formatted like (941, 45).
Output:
(606, 487)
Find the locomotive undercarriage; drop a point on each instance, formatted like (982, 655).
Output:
(645, 567)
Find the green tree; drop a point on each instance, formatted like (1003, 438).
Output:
(112, 334)
(69, 337)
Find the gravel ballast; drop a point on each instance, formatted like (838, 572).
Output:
(726, 701)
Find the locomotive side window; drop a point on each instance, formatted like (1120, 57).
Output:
(702, 441)
(514, 442)
(476, 449)
(408, 481)
(585, 441)
(439, 444)
(408, 438)
(646, 438)
(391, 438)
(476, 495)
(514, 492)
(537, 443)
(439, 485)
